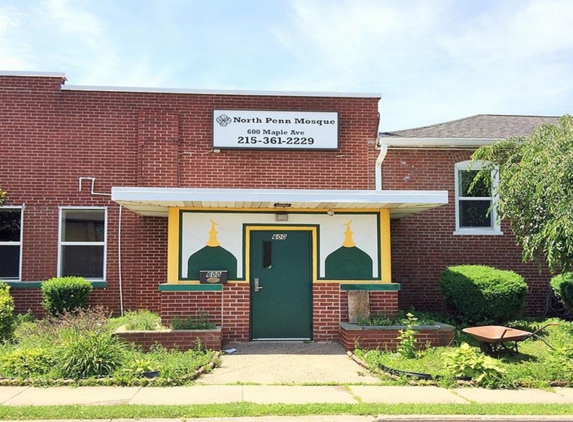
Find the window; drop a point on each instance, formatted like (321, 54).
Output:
(10, 243)
(82, 249)
(474, 211)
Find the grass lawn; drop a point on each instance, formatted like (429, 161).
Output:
(253, 410)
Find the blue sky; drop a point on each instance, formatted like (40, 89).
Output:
(430, 60)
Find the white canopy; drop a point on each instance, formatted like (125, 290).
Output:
(156, 202)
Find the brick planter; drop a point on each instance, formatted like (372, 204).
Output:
(386, 337)
(173, 339)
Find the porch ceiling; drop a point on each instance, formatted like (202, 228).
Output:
(155, 202)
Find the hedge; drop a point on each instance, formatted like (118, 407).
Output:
(481, 294)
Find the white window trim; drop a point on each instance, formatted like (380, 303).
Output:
(476, 231)
(19, 243)
(61, 243)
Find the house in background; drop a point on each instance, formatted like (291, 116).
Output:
(268, 212)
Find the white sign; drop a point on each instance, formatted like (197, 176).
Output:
(263, 129)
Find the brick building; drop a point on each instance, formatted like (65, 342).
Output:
(264, 211)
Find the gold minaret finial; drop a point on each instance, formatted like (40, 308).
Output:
(348, 241)
(213, 241)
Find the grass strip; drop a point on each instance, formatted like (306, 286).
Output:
(243, 409)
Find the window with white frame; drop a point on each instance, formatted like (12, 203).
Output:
(83, 234)
(475, 205)
(10, 243)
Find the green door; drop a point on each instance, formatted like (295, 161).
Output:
(281, 284)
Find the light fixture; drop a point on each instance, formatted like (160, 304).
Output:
(330, 213)
(282, 205)
(281, 216)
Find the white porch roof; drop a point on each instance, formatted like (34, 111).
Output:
(155, 202)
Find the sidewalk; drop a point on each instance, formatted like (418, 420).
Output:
(280, 373)
(269, 394)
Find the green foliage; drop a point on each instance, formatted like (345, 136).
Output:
(483, 294)
(484, 371)
(138, 366)
(562, 286)
(197, 322)
(142, 320)
(80, 346)
(407, 346)
(91, 354)
(423, 318)
(562, 358)
(25, 363)
(65, 294)
(535, 190)
(7, 318)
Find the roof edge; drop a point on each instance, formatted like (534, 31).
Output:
(398, 142)
(32, 74)
(217, 92)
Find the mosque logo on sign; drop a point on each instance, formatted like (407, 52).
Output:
(223, 120)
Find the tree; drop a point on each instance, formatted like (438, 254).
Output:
(2, 196)
(535, 190)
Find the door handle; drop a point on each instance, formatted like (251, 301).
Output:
(257, 287)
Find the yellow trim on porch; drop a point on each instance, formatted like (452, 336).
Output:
(385, 246)
(173, 246)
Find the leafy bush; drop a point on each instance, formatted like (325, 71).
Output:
(7, 318)
(483, 294)
(91, 354)
(562, 286)
(407, 346)
(25, 363)
(65, 294)
(484, 371)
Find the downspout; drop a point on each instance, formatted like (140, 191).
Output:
(120, 278)
(379, 161)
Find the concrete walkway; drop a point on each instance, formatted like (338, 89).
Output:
(287, 363)
(265, 394)
(290, 373)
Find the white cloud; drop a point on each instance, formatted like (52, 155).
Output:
(431, 60)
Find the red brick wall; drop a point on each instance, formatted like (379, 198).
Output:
(52, 137)
(236, 312)
(189, 304)
(175, 339)
(387, 338)
(326, 311)
(384, 303)
(424, 245)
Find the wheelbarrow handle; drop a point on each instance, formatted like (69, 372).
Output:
(544, 327)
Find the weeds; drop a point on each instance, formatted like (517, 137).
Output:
(81, 347)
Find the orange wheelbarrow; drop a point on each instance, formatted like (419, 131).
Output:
(494, 338)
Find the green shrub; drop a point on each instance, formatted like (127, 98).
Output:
(562, 286)
(65, 294)
(91, 354)
(7, 318)
(25, 363)
(484, 371)
(482, 294)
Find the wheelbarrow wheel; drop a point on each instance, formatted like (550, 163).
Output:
(486, 348)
